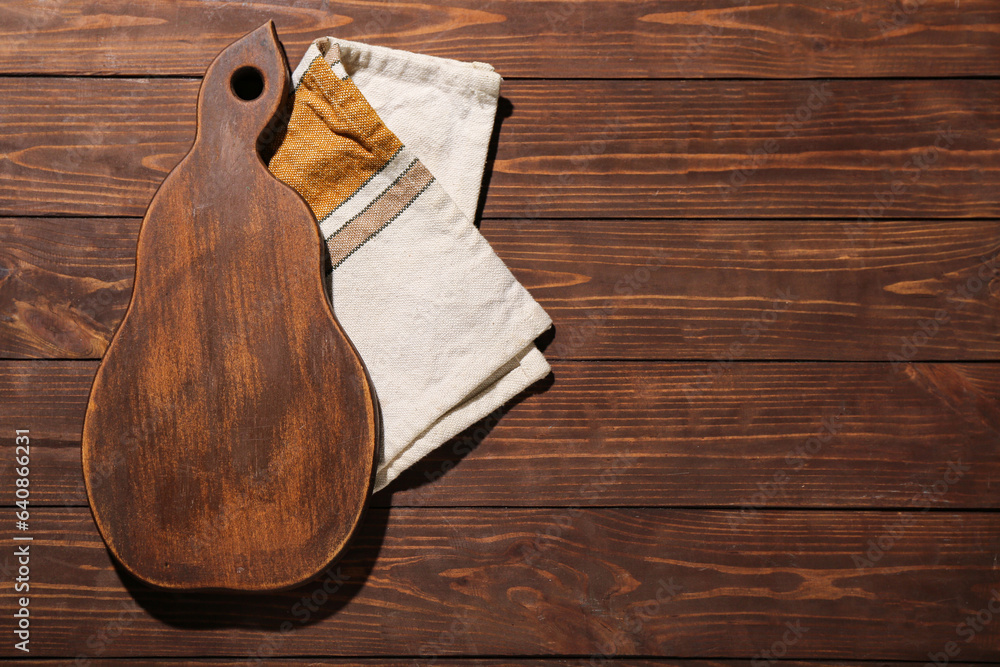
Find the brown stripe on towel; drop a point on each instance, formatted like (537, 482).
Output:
(377, 215)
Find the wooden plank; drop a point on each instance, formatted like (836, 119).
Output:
(525, 582)
(64, 284)
(737, 290)
(579, 149)
(652, 289)
(754, 436)
(589, 38)
(81, 145)
(468, 662)
(737, 149)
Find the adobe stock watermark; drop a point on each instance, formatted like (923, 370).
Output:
(37, 15)
(634, 621)
(542, 194)
(697, 44)
(114, 289)
(967, 631)
(221, 522)
(302, 610)
(819, 96)
(563, 521)
(779, 648)
(893, 532)
(901, 15)
(459, 447)
(957, 300)
(432, 650)
(626, 285)
(750, 332)
(899, 184)
(99, 642)
(796, 459)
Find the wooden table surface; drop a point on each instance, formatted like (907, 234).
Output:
(768, 234)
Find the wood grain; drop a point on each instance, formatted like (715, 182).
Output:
(755, 436)
(230, 403)
(64, 284)
(736, 149)
(547, 38)
(470, 662)
(738, 290)
(524, 582)
(577, 149)
(655, 220)
(617, 289)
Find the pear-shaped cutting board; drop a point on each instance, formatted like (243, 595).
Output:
(231, 433)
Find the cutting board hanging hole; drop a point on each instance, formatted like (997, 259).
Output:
(247, 83)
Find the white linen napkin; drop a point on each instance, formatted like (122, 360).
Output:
(388, 148)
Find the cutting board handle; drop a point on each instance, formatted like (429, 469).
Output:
(243, 90)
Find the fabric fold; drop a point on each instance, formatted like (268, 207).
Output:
(388, 148)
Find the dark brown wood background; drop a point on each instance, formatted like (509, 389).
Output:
(768, 409)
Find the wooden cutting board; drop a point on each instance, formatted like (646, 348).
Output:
(231, 434)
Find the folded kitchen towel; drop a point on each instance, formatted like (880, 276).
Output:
(388, 148)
